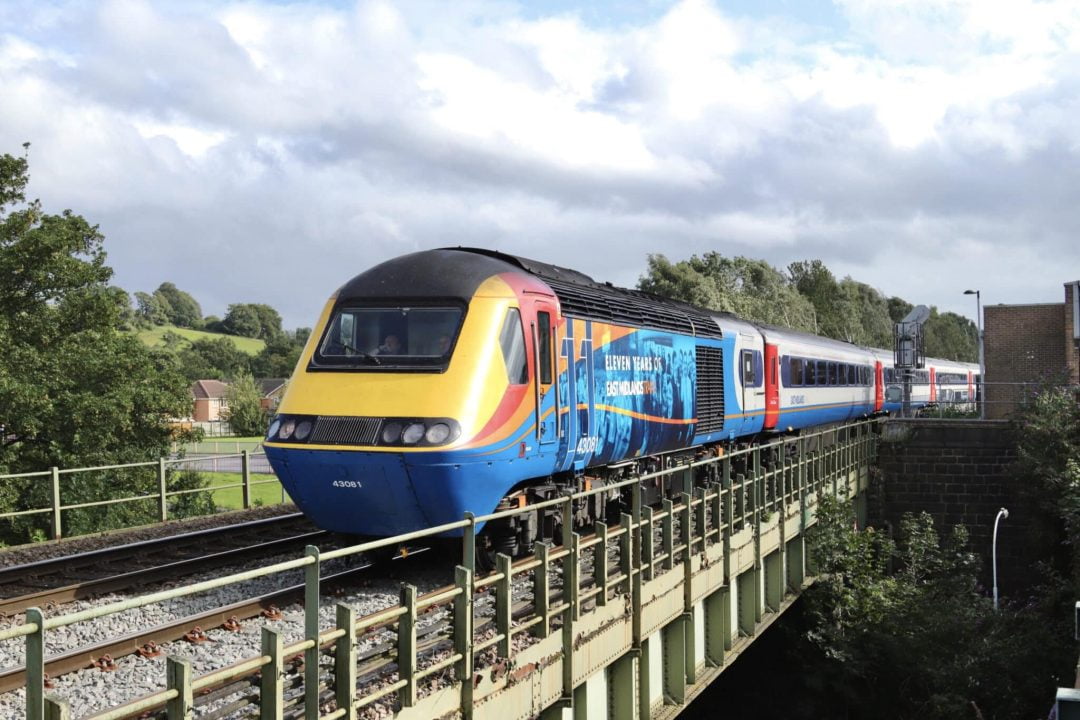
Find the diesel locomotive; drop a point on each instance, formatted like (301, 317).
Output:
(464, 379)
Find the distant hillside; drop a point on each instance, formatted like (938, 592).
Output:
(155, 337)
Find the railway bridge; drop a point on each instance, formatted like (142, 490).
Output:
(627, 621)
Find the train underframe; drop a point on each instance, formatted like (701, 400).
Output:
(517, 535)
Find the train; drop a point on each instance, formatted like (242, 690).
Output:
(466, 379)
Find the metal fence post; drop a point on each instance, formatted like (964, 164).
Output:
(503, 601)
(468, 544)
(57, 528)
(542, 590)
(463, 640)
(271, 677)
(406, 655)
(245, 471)
(178, 673)
(163, 492)
(345, 662)
(600, 563)
(57, 709)
(311, 632)
(35, 665)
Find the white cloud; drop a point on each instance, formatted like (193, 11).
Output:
(303, 142)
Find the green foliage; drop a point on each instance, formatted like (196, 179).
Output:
(148, 310)
(809, 298)
(217, 358)
(252, 320)
(178, 306)
(920, 641)
(752, 289)
(951, 336)
(279, 357)
(1047, 431)
(74, 389)
(244, 412)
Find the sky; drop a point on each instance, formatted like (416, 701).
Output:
(269, 151)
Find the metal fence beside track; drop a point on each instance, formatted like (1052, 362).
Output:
(245, 463)
(730, 556)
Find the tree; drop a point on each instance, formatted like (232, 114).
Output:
(213, 358)
(951, 336)
(752, 289)
(149, 310)
(920, 641)
(244, 410)
(279, 357)
(74, 390)
(242, 319)
(180, 307)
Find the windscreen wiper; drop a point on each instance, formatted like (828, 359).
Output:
(365, 355)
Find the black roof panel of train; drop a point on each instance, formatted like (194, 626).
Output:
(458, 272)
(581, 296)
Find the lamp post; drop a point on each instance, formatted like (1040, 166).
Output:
(982, 363)
(1002, 513)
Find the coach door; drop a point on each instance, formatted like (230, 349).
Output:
(879, 386)
(546, 388)
(772, 386)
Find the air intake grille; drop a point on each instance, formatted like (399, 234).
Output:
(629, 307)
(345, 431)
(710, 390)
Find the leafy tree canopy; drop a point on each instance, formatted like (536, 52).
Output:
(74, 389)
(244, 412)
(920, 641)
(179, 307)
(752, 289)
(808, 298)
(216, 358)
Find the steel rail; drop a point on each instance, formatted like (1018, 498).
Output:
(12, 574)
(137, 578)
(81, 658)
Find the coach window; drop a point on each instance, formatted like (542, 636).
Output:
(850, 374)
(543, 334)
(796, 372)
(832, 374)
(512, 341)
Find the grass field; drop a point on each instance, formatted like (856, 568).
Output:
(155, 336)
(266, 492)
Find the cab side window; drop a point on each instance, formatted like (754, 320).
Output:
(512, 342)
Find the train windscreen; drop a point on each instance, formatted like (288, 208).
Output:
(386, 337)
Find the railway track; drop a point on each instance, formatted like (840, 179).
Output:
(50, 583)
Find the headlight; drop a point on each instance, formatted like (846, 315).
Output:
(413, 433)
(272, 432)
(391, 433)
(437, 433)
(303, 429)
(287, 429)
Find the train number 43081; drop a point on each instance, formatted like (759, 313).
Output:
(345, 484)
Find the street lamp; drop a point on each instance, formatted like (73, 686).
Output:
(982, 362)
(1002, 513)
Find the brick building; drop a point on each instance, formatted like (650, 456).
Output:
(1029, 344)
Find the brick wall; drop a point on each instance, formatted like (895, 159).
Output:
(1021, 343)
(959, 472)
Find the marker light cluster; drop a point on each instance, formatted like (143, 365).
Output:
(388, 432)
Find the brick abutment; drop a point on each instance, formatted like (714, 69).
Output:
(960, 471)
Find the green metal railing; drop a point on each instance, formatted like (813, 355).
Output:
(761, 489)
(156, 478)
